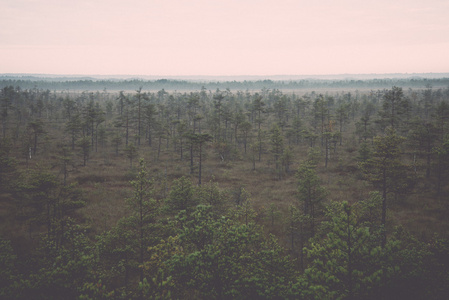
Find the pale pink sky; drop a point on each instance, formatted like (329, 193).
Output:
(223, 37)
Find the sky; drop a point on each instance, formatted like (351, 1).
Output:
(223, 37)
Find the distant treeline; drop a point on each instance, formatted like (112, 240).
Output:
(173, 84)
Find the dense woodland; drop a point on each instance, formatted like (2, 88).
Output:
(224, 193)
(246, 83)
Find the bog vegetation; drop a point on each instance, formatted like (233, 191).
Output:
(218, 194)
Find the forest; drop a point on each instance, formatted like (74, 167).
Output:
(256, 191)
(97, 83)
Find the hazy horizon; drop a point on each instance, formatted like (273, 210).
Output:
(199, 77)
(174, 38)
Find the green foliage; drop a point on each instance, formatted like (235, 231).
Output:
(36, 194)
(349, 262)
(310, 192)
(211, 194)
(85, 148)
(7, 165)
(142, 204)
(346, 263)
(116, 141)
(158, 282)
(437, 275)
(313, 156)
(385, 169)
(442, 165)
(61, 269)
(370, 210)
(287, 159)
(215, 249)
(122, 250)
(73, 127)
(144, 210)
(364, 152)
(118, 253)
(423, 137)
(442, 118)
(44, 201)
(225, 259)
(418, 270)
(95, 290)
(364, 129)
(244, 212)
(131, 153)
(393, 108)
(9, 272)
(277, 148)
(181, 195)
(253, 152)
(245, 128)
(35, 129)
(199, 140)
(65, 161)
(273, 213)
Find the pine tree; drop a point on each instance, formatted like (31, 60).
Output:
(346, 263)
(442, 165)
(36, 129)
(277, 149)
(144, 209)
(131, 153)
(85, 148)
(310, 192)
(182, 195)
(385, 170)
(393, 108)
(123, 249)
